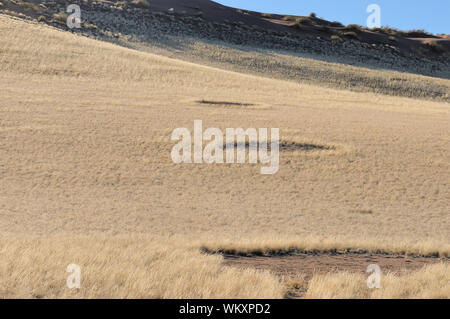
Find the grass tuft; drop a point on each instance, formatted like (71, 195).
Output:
(60, 17)
(144, 4)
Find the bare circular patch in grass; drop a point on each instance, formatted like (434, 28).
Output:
(231, 105)
(285, 146)
(361, 211)
(224, 103)
(292, 146)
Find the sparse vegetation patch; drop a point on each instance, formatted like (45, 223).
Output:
(141, 4)
(60, 17)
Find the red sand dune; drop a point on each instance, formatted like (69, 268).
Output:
(213, 11)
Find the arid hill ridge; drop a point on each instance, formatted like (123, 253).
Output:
(208, 19)
(172, 23)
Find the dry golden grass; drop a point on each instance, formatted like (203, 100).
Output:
(304, 68)
(124, 267)
(432, 281)
(85, 154)
(339, 243)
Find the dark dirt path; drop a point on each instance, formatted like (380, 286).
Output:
(310, 264)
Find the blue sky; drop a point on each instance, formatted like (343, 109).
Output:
(430, 15)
